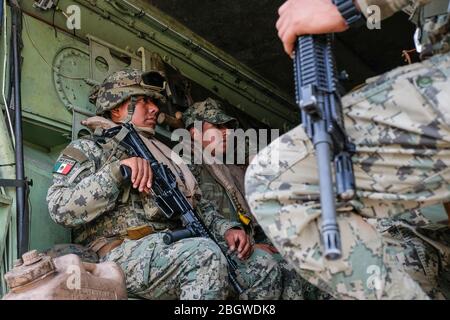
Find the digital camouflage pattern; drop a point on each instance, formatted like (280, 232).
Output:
(290, 286)
(295, 287)
(123, 84)
(94, 190)
(435, 30)
(94, 200)
(209, 110)
(88, 202)
(213, 190)
(260, 272)
(389, 7)
(421, 257)
(399, 124)
(85, 254)
(436, 35)
(189, 269)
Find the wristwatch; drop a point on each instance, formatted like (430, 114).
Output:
(350, 13)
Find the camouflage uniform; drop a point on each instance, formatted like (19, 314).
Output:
(85, 254)
(390, 249)
(89, 195)
(223, 185)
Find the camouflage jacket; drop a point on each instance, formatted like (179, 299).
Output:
(89, 195)
(435, 28)
(214, 191)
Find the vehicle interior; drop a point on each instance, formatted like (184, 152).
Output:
(228, 50)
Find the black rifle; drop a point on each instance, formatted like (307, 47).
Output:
(166, 194)
(321, 115)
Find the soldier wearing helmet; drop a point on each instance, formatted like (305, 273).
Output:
(392, 247)
(120, 221)
(223, 184)
(124, 85)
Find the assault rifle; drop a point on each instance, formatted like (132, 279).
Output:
(321, 115)
(166, 194)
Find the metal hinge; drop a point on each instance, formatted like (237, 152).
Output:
(44, 4)
(16, 183)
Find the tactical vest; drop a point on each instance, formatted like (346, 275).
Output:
(214, 192)
(133, 209)
(226, 199)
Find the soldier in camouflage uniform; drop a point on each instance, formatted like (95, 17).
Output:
(399, 123)
(223, 184)
(119, 220)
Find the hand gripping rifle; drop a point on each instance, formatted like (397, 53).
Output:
(166, 194)
(321, 115)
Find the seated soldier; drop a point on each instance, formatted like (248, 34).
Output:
(120, 221)
(223, 184)
(399, 123)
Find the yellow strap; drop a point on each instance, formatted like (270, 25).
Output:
(244, 219)
(136, 233)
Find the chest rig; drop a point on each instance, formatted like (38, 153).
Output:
(141, 207)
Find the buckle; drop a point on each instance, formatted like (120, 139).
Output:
(153, 80)
(417, 38)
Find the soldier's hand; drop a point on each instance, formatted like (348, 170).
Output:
(141, 173)
(237, 239)
(302, 17)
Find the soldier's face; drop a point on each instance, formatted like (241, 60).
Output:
(214, 137)
(145, 113)
(119, 113)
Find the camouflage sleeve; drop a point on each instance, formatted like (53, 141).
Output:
(214, 221)
(387, 7)
(82, 192)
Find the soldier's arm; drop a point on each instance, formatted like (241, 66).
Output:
(84, 191)
(211, 216)
(214, 221)
(302, 17)
(387, 7)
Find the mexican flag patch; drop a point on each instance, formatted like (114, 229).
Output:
(64, 165)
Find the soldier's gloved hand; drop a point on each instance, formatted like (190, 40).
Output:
(141, 173)
(302, 17)
(238, 239)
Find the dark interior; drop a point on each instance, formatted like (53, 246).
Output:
(246, 30)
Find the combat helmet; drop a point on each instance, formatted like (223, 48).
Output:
(209, 110)
(124, 84)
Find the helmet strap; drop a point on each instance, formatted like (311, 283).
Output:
(131, 108)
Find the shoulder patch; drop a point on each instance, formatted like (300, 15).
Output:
(75, 154)
(64, 165)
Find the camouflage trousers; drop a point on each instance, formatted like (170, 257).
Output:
(295, 287)
(259, 275)
(400, 124)
(188, 269)
(267, 276)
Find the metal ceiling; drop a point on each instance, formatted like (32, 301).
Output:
(246, 30)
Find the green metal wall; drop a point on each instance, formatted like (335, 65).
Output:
(44, 233)
(56, 76)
